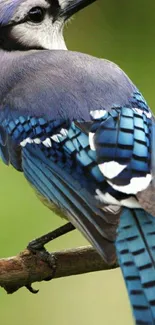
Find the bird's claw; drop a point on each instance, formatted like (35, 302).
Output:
(29, 287)
(46, 257)
(37, 246)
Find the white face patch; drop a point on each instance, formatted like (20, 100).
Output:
(111, 169)
(47, 35)
(137, 184)
(25, 6)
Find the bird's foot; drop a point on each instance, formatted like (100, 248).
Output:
(44, 256)
(36, 246)
(40, 242)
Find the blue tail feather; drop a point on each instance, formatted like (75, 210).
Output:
(135, 246)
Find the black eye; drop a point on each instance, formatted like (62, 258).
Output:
(36, 15)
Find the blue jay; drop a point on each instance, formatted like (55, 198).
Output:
(83, 135)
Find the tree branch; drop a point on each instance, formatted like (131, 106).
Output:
(27, 267)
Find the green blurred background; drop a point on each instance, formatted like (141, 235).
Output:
(124, 32)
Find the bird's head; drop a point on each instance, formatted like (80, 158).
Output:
(36, 24)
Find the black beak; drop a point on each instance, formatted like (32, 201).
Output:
(74, 6)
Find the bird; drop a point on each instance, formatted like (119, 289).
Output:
(83, 136)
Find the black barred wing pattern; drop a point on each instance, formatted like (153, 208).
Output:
(121, 139)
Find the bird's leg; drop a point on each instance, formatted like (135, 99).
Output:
(37, 245)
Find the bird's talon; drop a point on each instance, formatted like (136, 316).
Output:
(29, 287)
(33, 246)
(46, 257)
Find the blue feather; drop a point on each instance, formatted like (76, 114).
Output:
(4, 154)
(125, 137)
(135, 246)
(62, 189)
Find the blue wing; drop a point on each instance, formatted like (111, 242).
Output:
(122, 143)
(89, 170)
(57, 161)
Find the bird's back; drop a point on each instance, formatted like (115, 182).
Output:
(61, 83)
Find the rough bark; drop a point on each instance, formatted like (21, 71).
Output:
(27, 267)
